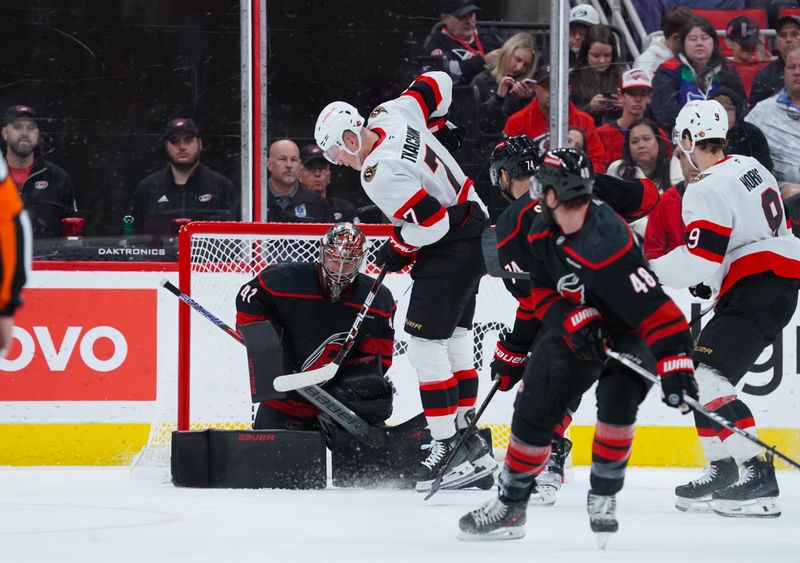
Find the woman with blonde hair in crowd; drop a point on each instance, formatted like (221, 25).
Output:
(506, 86)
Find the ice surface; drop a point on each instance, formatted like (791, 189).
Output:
(58, 515)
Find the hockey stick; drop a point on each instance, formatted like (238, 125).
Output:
(437, 483)
(697, 406)
(370, 435)
(292, 381)
(493, 267)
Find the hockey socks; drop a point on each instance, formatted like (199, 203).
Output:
(610, 452)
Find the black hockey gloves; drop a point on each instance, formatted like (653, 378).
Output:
(586, 334)
(395, 255)
(451, 136)
(677, 380)
(509, 362)
(701, 291)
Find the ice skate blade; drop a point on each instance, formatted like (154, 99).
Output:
(602, 539)
(501, 534)
(766, 507)
(702, 504)
(456, 476)
(545, 495)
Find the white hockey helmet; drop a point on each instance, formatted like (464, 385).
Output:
(703, 119)
(333, 121)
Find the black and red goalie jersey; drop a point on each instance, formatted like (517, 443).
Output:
(632, 199)
(602, 266)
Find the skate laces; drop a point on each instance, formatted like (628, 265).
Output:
(602, 506)
(493, 511)
(437, 452)
(747, 475)
(709, 474)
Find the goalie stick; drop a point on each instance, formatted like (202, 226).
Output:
(292, 381)
(490, 257)
(437, 484)
(368, 434)
(697, 406)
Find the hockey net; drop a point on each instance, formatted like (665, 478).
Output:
(211, 388)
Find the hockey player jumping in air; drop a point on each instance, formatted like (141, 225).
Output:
(512, 164)
(738, 245)
(438, 218)
(591, 288)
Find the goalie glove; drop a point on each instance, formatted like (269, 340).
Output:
(509, 362)
(586, 335)
(677, 380)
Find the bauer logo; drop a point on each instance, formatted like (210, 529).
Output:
(106, 353)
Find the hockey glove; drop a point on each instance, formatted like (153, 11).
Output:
(509, 362)
(395, 255)
(677, 380)
(586, 334)
(701, 291)
(451, 136)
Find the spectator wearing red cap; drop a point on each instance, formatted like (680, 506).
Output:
(466, 49)
(769, 80)
(45, 188)
(315, 174)
(635, 93)
(744, 40)
(533, 120)
(185, 189)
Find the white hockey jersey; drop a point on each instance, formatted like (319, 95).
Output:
(735, 227)
(408, 174)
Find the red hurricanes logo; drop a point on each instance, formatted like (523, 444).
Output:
(571, 288)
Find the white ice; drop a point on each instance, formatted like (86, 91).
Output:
(59, 515)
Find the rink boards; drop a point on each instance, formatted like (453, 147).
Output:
(94, 366)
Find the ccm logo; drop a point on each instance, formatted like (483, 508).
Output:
(58, 356)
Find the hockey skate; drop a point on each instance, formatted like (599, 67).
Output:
(695, 496)
(479, 453)
(602, 516)
(754, 495)
(548, 482)
(459, 472)
(497, 519)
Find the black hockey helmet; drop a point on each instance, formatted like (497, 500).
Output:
(342, 250)
(518, 155)
(568, 171)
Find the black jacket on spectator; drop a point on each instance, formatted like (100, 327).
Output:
(341, 210)
(48, 197)
(745, 138)
(158, 200)
(464, 60)
(767, 81)
(304, 206)
(494, 110)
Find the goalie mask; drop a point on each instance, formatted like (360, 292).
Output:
(342, 250)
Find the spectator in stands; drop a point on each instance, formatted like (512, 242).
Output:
(595, 78)
(465, 48)
(288, 201)
(769, 80)
(185, 189)
(533, 120)
(778, 117)
(506, 86)
(696, 73)
(744, 40)
(662, 49)
(315, 174)
(645, 154)
(635, 93)
(743, 138)
(15, 252)
(665, 228)
(576, 138)
(46, 190)
(581, 19)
